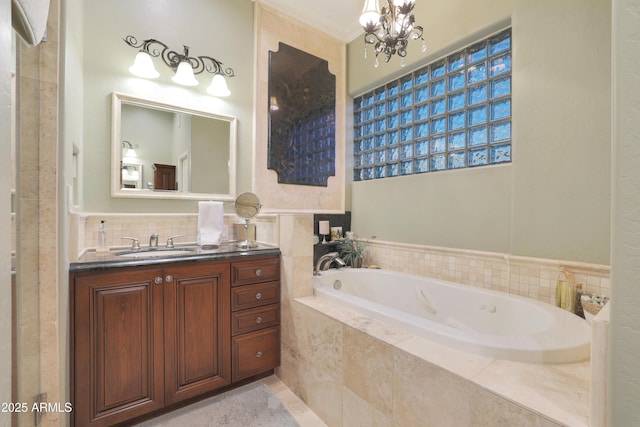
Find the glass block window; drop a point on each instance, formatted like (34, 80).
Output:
(453, 113)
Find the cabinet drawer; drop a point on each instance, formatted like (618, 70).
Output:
(255, 319)
(255, 352)
(255, 271)
(255, 295)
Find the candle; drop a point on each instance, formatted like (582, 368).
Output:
(324, 227)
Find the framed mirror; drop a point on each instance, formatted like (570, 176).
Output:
(165, 151)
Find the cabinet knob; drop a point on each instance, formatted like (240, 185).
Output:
(258, 295)
(158, 280)
(258, 272)
(258, 319)
(259, 354)
(169, 278)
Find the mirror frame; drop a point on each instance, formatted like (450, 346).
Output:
(117, 99)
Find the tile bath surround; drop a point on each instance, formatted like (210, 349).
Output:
(357, 368)
(352, 370)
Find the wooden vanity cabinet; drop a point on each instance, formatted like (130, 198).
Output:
(143, 338)
(255, 306)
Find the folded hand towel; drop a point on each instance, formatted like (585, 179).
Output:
(210, 222)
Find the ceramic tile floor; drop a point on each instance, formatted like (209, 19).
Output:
(296, 407)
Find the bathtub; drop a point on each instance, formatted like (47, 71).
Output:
(475, 320)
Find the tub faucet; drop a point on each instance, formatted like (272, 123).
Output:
(153, 241)
(325, 262)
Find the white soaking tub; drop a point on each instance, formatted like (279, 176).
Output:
(480, 321)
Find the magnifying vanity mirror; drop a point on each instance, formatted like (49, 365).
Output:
(247, 206)
(167, 151)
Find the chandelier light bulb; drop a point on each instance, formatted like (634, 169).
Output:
(370, 13)
(143, 66)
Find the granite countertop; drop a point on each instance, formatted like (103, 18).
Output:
(92, 260)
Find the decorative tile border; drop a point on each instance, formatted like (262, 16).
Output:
(529, 277)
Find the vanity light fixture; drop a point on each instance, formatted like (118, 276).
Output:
(185, 66)
(390, 29)
(131, 152)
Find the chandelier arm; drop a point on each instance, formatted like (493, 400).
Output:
(371, 38)
(417, 30)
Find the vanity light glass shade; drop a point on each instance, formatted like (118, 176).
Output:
(370, 13)
(131, 153)
(184, 75)
(218, 86)
(143, 66)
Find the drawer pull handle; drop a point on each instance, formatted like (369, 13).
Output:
(158, 280)
(258, 295)
(258, 272)
(259, 354)
(258, 319)
(169, 278)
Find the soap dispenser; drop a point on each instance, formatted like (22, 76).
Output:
(102, 238)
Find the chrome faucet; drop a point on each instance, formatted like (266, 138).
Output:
(170, 243)
(135, 243)
(325, 262)
(153, 241)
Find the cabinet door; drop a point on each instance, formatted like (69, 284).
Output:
(118, 340)
(197, 329)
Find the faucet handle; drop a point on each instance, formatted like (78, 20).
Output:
(170, 240)
(135, 243)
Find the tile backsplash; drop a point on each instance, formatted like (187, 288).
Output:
(166, 225)
(529, 277)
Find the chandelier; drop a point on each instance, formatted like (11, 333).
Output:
(390, 29)
(185, 66)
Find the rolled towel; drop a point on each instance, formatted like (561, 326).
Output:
(210, 222)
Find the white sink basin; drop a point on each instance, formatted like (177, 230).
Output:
(155, 253)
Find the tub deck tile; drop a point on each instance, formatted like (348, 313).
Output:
(356, 320)
(462, 363)
(557, 393)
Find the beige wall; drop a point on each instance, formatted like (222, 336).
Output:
(624, 392)
(552, 201)
(5, 200)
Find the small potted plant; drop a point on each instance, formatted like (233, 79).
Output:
(352, 251)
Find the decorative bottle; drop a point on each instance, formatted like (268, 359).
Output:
(565, 291)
